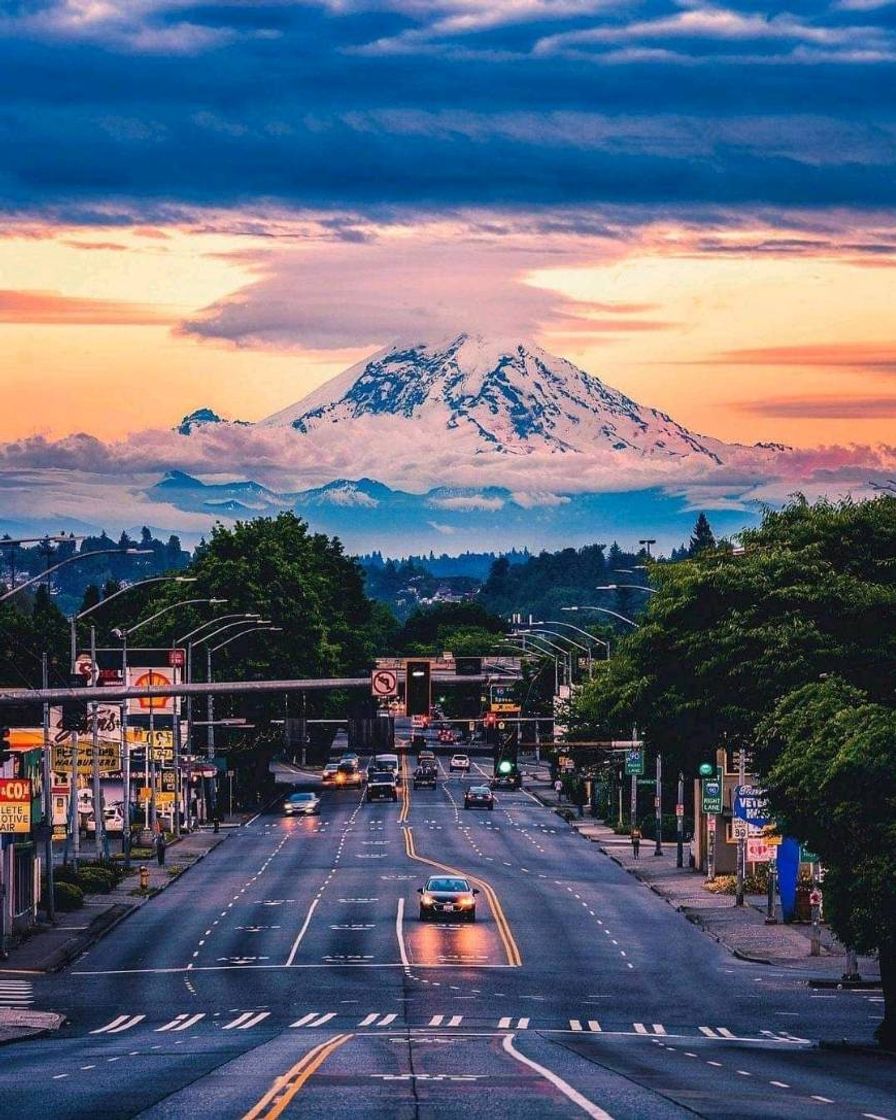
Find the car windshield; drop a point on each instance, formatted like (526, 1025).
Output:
(382, 776)
(447, 885)
(478, 789)
(302, 797)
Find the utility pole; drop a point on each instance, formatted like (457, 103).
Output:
(98, 815)
(741, 843)
(47, 778)
(658, 805)
(73, 797)
(125, 763)
(679, 822)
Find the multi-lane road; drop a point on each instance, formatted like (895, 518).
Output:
(288, 975)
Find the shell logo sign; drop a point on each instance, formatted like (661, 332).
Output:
(160, 677)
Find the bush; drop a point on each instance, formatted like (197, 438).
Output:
(722, 884)
(95, 880)
(108, 868)
(66, 896)
(65, 874)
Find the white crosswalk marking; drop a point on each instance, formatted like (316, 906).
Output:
(120, 1023)
(708, 1031)
(436, 1020)
(386, 1020)
(593, 1026)
(173, 1025)
(246, 1020)
(658, 1028)
(575, 1025)
(522, 1024)
(319, 1022)
(370, 1019)
(190, 1021)
(455, 1020)
(16, 993)
(504, 1023)
(725, 1033)
(305, 1019)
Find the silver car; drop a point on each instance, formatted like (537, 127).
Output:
(301, 803)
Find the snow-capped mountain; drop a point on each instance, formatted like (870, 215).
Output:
(509, 396)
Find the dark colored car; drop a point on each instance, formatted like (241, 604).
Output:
(479, 797)
(446, 735)
(425, 776)
(381, 786)
(446, 895)
(512, 780)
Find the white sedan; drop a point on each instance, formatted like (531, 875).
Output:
(459, 762)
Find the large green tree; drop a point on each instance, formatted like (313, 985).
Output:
(833, 783)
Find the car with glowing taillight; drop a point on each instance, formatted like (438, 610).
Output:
(448, 896)
(479, 797)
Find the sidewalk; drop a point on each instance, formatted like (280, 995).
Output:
(51, 947)
(741, 929)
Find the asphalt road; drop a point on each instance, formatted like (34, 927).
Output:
(288, 974)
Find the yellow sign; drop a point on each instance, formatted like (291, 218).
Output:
(164, 800)
(144, 793)
(109, 757)
(501, 706)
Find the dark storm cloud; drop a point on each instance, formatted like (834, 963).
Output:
(443, 103)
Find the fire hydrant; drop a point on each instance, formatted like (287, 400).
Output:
(144, 878)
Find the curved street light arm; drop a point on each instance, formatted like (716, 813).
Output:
(604, 610)
(221, 630)
(212, 622)
(242, 634)
(585, 633)
(132, 587)
(71, 560)
(625, 587)
(171, 607)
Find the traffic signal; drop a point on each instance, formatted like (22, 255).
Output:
(74, 715)
(505, 766)
(418, 688)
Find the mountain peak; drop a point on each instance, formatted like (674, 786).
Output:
(503, 395)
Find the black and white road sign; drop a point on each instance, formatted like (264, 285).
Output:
(384, 682)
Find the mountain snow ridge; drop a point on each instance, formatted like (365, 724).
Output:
(510, 397)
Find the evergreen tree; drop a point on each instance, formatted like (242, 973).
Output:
(703, 538)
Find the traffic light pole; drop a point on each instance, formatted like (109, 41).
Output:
(658, 805)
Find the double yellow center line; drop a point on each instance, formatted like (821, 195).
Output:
(511, 949)
(285, 1087)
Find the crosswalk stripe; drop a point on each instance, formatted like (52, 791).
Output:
(436, 1020)
(253, 1020)
(575, 1024)
(640, 1028)
(190, 1021)
(129, 1021)
(522, 1024)
(387, 1019)
(324, 1019)
(504, 1023)
(658, 1028)
(594, 1026)
(305, 1020)
(175, 1022)
(238, 1021)
(114, 1023)
(455, 1020)
(725, 1032)
(368, 1020)
(708, 1031)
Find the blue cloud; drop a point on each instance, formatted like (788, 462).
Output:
(439, 104)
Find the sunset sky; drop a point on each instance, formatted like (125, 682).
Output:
(224, 204)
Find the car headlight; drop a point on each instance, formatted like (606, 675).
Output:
(465, 902)
(427, 899)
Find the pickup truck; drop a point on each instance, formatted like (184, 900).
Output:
(381, 786)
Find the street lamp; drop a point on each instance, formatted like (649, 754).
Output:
(603, 610)
(562, 638)
(71, 560)
(108, 599)
(578, 630)
(149, 771)
(625, 587)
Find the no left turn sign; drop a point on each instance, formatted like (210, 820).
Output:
(384, 682)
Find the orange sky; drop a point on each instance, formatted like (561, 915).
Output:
(784, 347)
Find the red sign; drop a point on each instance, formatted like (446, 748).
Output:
(176, 658)
(679, 810)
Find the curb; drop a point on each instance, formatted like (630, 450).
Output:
(854, 985)
(29, 1033)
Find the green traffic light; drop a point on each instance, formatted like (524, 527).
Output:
(706, 770)
(505, 767)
